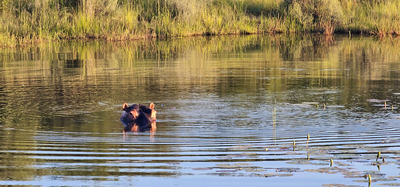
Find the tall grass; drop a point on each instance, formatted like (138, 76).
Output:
(30, 21)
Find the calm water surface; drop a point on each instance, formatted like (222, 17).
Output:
(229, 112)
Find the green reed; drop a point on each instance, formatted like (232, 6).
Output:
(25, 22)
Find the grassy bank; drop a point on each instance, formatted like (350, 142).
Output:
(29, 21)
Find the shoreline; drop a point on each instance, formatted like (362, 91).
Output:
(28, 43)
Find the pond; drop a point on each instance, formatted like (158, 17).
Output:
(252, 110)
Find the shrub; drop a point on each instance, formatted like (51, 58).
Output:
(322, 15)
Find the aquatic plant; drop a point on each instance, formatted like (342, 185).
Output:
(378, 156)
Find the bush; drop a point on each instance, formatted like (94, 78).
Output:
(321, 15)
(96, 8)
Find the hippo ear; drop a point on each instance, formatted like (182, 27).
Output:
(124, 106)
(151, 106)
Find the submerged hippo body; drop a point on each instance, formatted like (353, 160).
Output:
(139, 117)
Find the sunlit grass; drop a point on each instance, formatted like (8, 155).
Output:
(42, 20)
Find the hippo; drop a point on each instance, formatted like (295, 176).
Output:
(139, 117)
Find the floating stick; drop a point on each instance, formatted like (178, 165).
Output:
(331, 162)
(369, 178)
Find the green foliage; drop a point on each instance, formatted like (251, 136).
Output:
(7, 40)
(96, 8)
(314, 15)
(30, 21)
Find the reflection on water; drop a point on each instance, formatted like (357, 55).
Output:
(235, 110)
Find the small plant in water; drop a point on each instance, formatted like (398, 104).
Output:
(378, 155)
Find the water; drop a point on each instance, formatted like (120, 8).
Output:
(229, 110)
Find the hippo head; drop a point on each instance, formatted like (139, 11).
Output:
(139, 115)
(130, 114)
